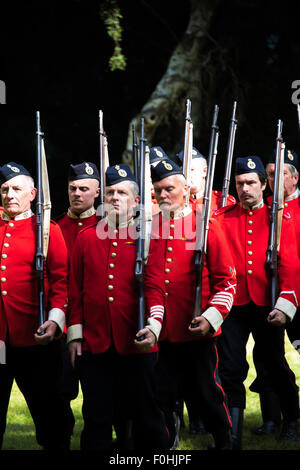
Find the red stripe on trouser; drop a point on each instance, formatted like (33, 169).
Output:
(221, 388)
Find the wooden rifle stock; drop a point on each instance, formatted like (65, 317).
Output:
(202, 231)
(231, 139)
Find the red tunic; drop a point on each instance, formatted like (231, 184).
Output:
(19, 287)
(219, 283)
(103, 289)
(292, 211)
(216, 201)
(247, 233)
(70, 227)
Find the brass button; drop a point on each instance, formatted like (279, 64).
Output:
(113, 255)
(4, 256)
(167, 294)
(169, 260)
(250, 213)
(110, 287)
(171, 237)
(3, 268)
(249, 272)
(111, 276)
(6, 245)
(250, 262)
(111, 299)
(167, 270)
(170, 248)
(11, 224)
(250, 231)
(3, 279)
(172, 226)
(250, 222)
(285, 204)
(167, 282)
(249, 242)
(80, 224)
(250, 253)
(116, 230)
(111, 265)
(115, 243)
(4, 292)
(8, 235)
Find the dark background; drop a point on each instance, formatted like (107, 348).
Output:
(54, 58)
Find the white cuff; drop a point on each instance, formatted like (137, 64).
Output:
(214, 317)
(74, 332)
(57, 315)
(286, 307)
(154, 326)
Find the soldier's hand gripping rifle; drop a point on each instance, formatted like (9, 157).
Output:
(187, 150)
(276, 215)
(202, 231)
(143, 225)
(104, 163)
(43, 214)
(231, 139)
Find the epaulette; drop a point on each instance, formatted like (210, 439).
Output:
(224, 209)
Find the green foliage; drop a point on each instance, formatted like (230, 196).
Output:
(111, 16)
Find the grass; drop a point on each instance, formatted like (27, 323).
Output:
(20, 433)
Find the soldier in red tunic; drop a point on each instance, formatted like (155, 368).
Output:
(32, 360)
(115, 369)
(246, 227)
(198, 176)
(269, 400)
(187, 353)
(83, 190)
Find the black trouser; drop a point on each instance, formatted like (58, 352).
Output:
(120, 388)
(199, 361)
(36, 371)
(268, 357)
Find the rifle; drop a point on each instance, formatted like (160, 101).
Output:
(188, 147)
(276, 215)
(202, 232)
(39, 222)
(135, 151)
(104, 163)
(143, 226)
(231, 138)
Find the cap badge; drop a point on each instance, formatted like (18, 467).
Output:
(14, 169)
(122, 173)
(88, 169)
(290, 155)
(167, 165)
(158, 152)
(251, 164)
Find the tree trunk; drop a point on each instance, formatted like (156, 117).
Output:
(164, 112)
